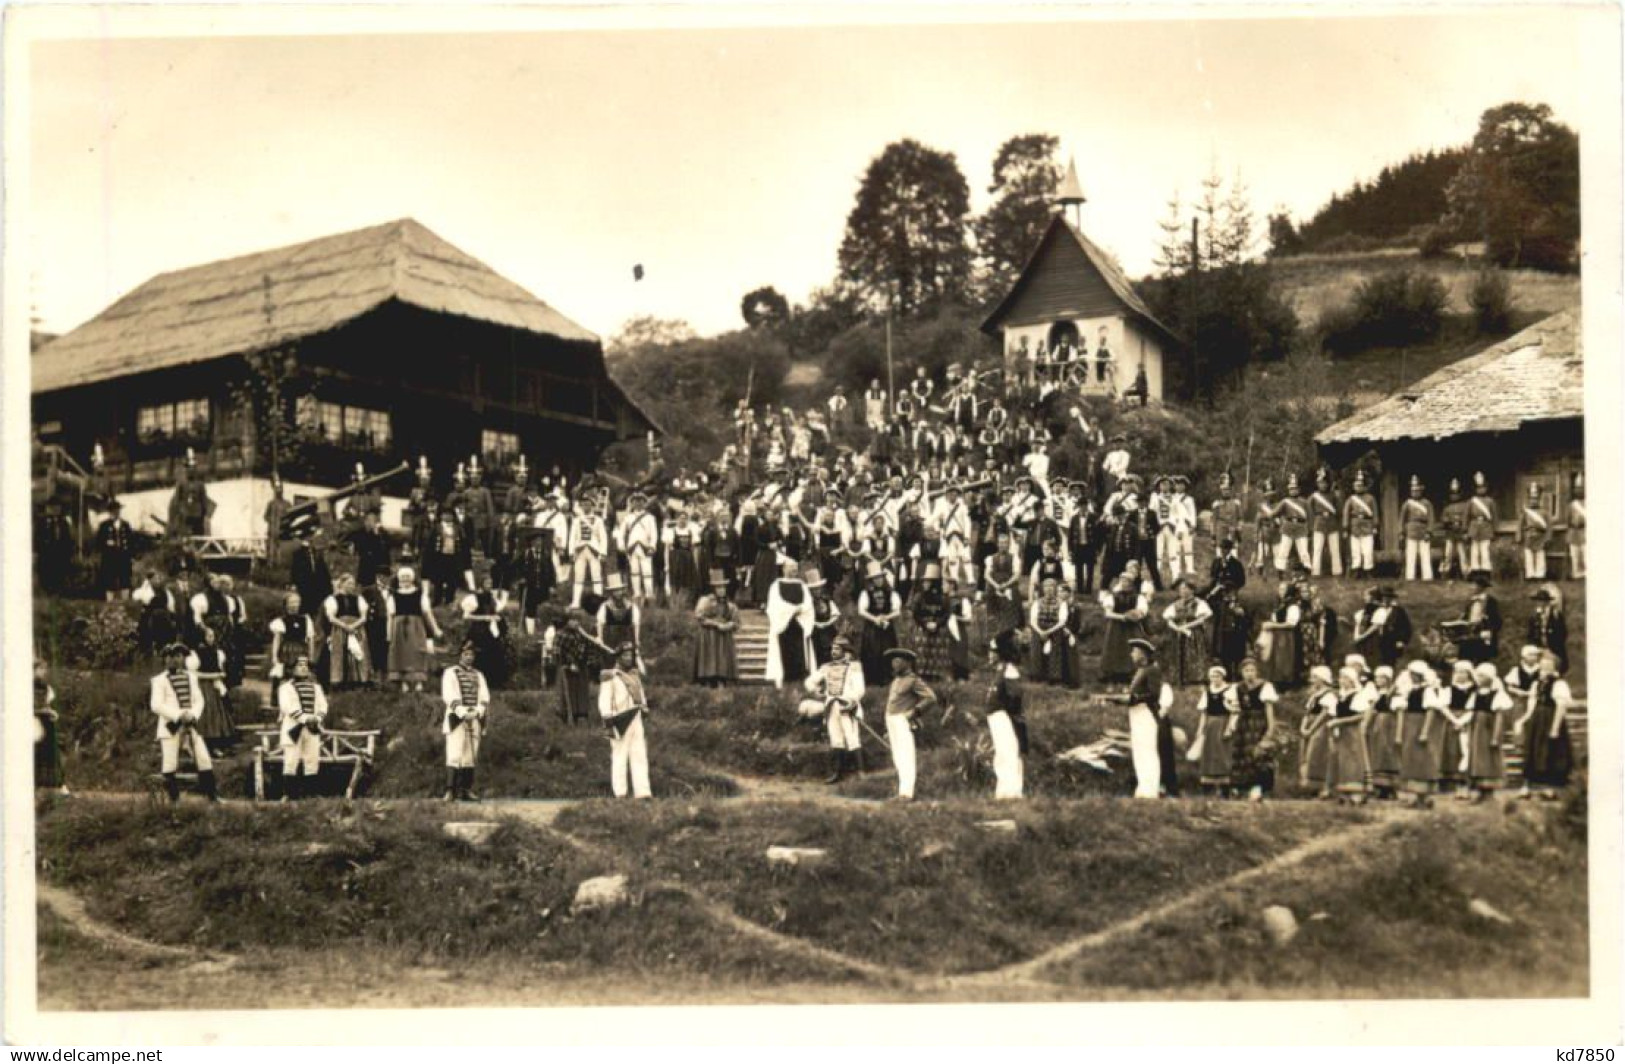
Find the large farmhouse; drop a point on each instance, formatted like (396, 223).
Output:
(1515, 412)
(390, 344)
(1070, 291)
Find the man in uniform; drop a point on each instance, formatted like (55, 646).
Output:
(1577, 530)
(365, 501)
(1182, 520)
(516, 501)
(1360, 522)
(906, 699)
(1534, 532)
(115, 546)
(1482, 519)
(1226, 510)
(622, 704)
(1453, 524)
(371, 547)
(53, 544)
(480, 507)
(1416, 525)
(416, 514)
(1326, 521)
(275, 511)
(468, 700)
(177, 700)
(301, 709)
(308, 571)
(190, 506)
(1293, 517)
(837, 687)
(588, 544)
(639, 537)
(555, 522)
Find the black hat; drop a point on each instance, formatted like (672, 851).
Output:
(1145, 645)
(114, 504)
(177, 648)
(902, 652)
(1481, 577)
(1541, 595)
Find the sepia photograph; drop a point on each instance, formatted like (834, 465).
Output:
(1046, 506)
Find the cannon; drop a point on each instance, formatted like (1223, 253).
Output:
(306, 515)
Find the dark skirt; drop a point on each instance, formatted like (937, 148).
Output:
(1450, 747)
(716, 656)
(575, 695)
(1346, 761)
(1054, 667)
(1189, 658)
(1312, 772)
(823, 642)
(1418, 761)
(934, 650)
(215, 723)
(1216, 764)
(1248, 767)
(1115, 664)
(1280, 662)
(1485, 768)
(1003, 613)
(763, 572)
(342, 667)
(793, 663)
(872, 647)
(1382, 749)
(408, 648)
(684, 576)
(47, 755)
(1546, 761)
(113, 573)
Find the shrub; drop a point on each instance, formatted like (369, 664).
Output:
(1491, 300)
(1435, 242)
(1392, 309)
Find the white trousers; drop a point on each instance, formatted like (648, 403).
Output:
(1187, 552)
(169, 751)
(305, 750)
(843, 731)
(1534, 564)
(901, 737)
(1142, 730)
(1006, 756)
(641, 572)
(1168, 556)
(1478, 555)
(463, 746)
(627, 753)
(1327, 544)
(1418, 560)
(1285, 548)
(1577, 561)
(586, 571)
(1362, 553)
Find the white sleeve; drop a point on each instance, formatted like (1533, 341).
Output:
(1166, 699)
(450, 692)
(277, 627)
(1267, 693)
(331, 607)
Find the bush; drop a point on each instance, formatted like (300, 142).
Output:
(1435, 242)
(1491, 300)
(1392, 309)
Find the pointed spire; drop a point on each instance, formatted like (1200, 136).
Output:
(1071, 190)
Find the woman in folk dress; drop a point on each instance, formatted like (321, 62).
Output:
(1548, 755)
(1253, 759)
(209, 663)
(1003, 574)
(348, 662)
(1418, 694)
(931, 611)
(1486, 767)
(1219, 708)
(878, 608)
(1319, 703)
(681, 538)
(1455, 705)
(826, 618)
(1051, 654)
(1187, 618)
(1125, 609)
(1382, 734)
(1347, 764)
(47, 749)
(412, 625)
(1278, 640)
(716, 657)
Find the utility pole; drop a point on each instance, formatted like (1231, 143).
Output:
(1201, 383)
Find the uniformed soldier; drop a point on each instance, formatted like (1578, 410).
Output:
(177, 700)
(639, 537)
(1182, 520)
(115, 547)
(1534, 532)
(1226, 510)
(588, 544)
(837, 690)
(416, 514)
(1577, 530)
(365, 501)
(1482, 519)
(1416, 525)
(480, 507)
(906, 699)
(516, 501)
(275, 511)
(1360, 522)
(468, 702)
(1453, 524)
(1326, 540)
(1293, 516)
(301, 711)
(53, 546)
(190, 507)
(622, 705)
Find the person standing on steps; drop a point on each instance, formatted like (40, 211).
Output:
(906, 699)
(301, 708)
(622, 705)
(177, 700)
(468, 702)
(837, 689)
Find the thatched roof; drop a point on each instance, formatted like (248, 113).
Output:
(220, 309)
(1103, 262)
(1536, 375)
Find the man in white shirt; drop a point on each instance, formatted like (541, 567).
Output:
(301, 710)
(639, 537)
(176, 698)
(468, 702)
(589, 543)
(622, 704)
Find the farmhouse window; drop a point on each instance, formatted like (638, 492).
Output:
(347, 426)
(498, 446)
(186, 420)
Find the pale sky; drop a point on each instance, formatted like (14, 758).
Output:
(720, 160)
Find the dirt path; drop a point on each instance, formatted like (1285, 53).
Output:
(71, 910)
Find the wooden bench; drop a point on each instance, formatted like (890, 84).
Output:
(354, 748)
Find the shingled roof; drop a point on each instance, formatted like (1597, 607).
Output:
(1103, 262)
(219, 309)
(1536, 375)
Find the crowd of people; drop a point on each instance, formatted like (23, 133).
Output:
(894, 540)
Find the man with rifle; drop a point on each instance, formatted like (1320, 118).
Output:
(177, 700)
